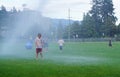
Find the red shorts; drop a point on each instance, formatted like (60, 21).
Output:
(38, 50)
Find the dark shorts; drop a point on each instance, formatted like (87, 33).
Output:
(38, 50)
(60, 47)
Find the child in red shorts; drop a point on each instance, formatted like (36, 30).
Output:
(39, 45)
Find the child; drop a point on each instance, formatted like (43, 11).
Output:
(61, 42)
(110, 43)
(39, 45)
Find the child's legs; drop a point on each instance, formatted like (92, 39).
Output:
(41, 55)
(36, 54)
(60, 47)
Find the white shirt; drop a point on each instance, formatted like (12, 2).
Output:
(61, 42)
(38, 42)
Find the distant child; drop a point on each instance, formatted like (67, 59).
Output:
(39, 45)
(61, 42)
(110, 43)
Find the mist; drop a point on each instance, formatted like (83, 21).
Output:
(24, 26)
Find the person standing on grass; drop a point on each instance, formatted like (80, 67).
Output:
(61, 42)
(110, 43)
(39, 45)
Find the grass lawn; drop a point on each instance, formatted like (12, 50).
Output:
(83, 59)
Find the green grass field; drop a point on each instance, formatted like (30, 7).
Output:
(83, 59)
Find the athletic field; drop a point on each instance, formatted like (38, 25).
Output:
(83, 59)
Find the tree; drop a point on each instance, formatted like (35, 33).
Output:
(88, 27)
(14, 10)
(3, 13)
(95, 12)
(66, 31)
(59, 31)
(3, 8)
(108, 18)
(103, 14)
(3, 16)
(75, 30)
